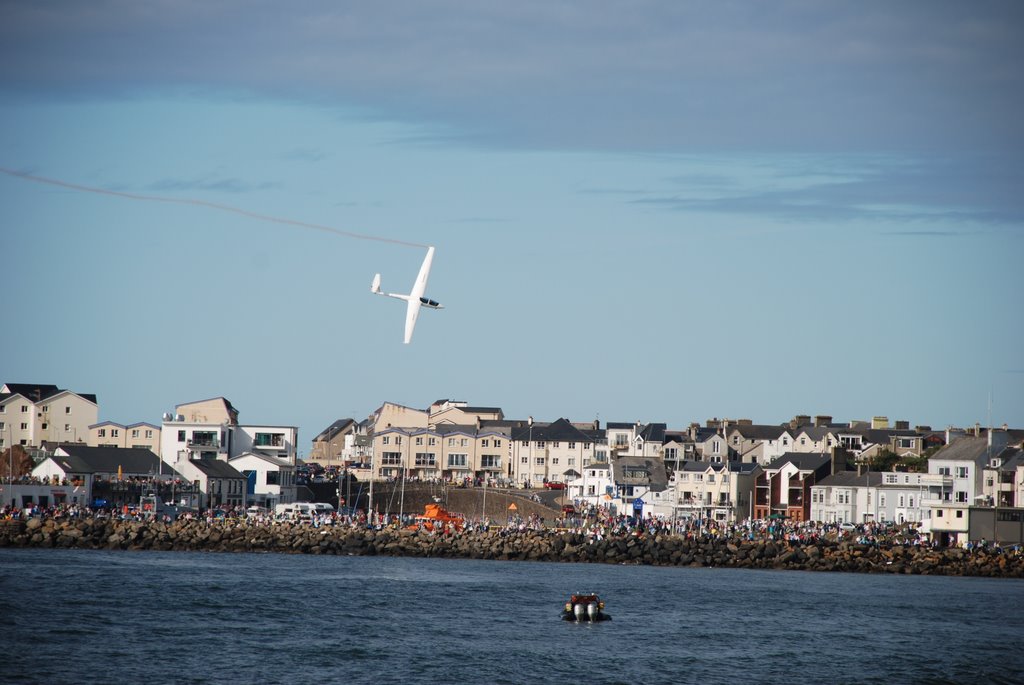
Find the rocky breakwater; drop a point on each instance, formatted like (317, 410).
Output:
(500, 544)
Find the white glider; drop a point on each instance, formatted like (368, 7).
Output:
(415, 299)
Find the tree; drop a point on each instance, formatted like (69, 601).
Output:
(17, 464)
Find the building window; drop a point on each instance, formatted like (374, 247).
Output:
(24, 427)
(431, 441)
(391, 458)
(135, 433)
(45, 426)
(962, 472)
(67, 427)
(959, 513)
(24, 409)
(525, 460)
(539, 461)
(101, 433)
(490, 461)
(115, 433)
(944, 471)
(554, 460)
(497, 443)
(149, 434)
(46, 408)
(961, 496)
(268, 440)
(419, 440)
(485, 443)
(541, 444)
(426, 459)
(457, 460)
(526, 443)
(67, 410)
(386, 440)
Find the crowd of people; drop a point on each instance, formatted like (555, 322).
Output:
(595, 522)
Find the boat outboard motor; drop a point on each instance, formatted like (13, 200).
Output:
(592, 612)
(578, 611)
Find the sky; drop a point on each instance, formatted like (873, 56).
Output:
(643, 211)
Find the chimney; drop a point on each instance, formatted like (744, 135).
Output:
(821, 421)
(529, 420)
(902, 425)
(977, 429)
(840, 458)
(597, 424)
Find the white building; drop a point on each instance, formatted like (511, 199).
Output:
(957, 485)
(270, 480)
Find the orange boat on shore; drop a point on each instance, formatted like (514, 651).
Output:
(436, 517)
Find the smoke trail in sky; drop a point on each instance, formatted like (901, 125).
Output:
(204, 203)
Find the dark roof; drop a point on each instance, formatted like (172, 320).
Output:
(332, 430)
(653, 432)
(964, 449)
(38, 393)
(653, 470)
(851, 478)
(618, 425)
(759, 432)
(742, 467)
(700, 466)
(1011, 457)
(481, 410)
(805, 461)
(216, 468)
(32, 391)
(815, 433)
(131, 460)
(558, 431)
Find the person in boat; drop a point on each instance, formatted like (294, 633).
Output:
(588, 607)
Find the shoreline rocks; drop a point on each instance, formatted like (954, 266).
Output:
(506, 545)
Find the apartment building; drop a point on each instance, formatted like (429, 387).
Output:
(32, 414)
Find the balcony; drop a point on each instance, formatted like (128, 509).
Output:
(203, 444)
(268, 442)
(936, 480)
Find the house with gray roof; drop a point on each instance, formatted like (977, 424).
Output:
(545, 452)
(783, 489)
(957, 470)
(641, 485)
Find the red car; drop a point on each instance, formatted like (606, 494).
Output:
(552, 485)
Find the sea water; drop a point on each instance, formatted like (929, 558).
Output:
(77, 616)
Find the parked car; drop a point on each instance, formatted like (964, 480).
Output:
(554, 485)
(569, 510)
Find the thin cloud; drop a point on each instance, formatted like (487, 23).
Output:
(221, 185)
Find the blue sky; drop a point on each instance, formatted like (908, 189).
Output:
(655, 210)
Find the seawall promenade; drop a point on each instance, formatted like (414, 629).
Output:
(661, 549)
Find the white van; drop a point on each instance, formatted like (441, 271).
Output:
(296, 510)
